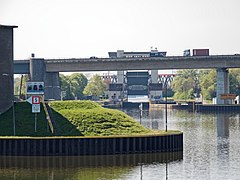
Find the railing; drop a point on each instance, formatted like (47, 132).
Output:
(48, 118)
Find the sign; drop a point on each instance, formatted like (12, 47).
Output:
(34, 100)
(35, 108)
(35, 87)
(228, 96)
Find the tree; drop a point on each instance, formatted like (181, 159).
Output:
(208, 84)
(234, 81)
(20, 89)
(73, 85)
(185, 84)
(96, 86)
(78, 83)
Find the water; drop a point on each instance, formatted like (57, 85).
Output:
(211, 151)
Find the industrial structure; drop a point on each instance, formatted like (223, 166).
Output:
(52, 67)
(6, 67)
(131, 85)
(47, 70)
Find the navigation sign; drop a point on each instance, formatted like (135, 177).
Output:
(35, 101)
(35, 108)
(29, 100)
(35, 87)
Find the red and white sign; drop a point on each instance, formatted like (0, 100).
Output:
(35, 99)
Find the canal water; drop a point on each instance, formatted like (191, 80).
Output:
(211, 151)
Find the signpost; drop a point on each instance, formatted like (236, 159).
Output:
(35, 101)
(35, 89)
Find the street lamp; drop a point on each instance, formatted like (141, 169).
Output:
(13, 108)
(166, 104)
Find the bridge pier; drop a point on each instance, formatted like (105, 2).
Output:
(52, 86)
(222, 85)
(154, 76)
(51, 79)
(6, 67)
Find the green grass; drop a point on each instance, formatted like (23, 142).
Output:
(73, 118)
(90, 119)
(24, 120)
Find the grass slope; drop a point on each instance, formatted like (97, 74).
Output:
(24, 120)
(90, 119)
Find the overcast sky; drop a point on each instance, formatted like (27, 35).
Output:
(84, 28)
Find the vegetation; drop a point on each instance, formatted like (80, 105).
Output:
(189, 84)
(72, 86)
(208, 84)
(20, 85)
(96, 86)
(24, 120)
(185, 84)
(73, 118)
(90, 119)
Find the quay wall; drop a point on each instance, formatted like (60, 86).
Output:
(77, 146)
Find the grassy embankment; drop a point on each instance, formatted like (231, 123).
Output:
(73, 118)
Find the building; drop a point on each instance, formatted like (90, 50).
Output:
(136, 83)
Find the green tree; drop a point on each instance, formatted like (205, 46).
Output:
(234, 81)
(20, 88)
(73, 85)
(208, 83)
(185, 84)
(78, 83)
(96, 86)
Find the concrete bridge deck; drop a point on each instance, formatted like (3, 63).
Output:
(116, 64)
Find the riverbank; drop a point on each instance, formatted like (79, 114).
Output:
(85, 128)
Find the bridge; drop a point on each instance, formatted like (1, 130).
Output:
(47, 70)
(117, 64)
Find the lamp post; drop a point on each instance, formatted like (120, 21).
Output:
(13, 108)
(166, 104)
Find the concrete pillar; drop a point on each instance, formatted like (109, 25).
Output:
(154, 76)
(6, 68)
(222, 85)
(52, 86)
(120, 77)
(120, 74)
(51, 80)
(37, 69)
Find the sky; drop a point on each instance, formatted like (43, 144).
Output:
(85, 28)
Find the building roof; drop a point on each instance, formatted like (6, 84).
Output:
(7, 27)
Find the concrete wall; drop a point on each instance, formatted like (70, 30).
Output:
(6, 67)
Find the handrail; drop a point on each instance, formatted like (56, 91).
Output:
(48, 117)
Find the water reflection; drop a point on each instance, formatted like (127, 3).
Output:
(223, 125)
(82, 167)
(211, 142)
(31, 162)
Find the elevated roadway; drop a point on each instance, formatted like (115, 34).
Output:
(116, 64)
